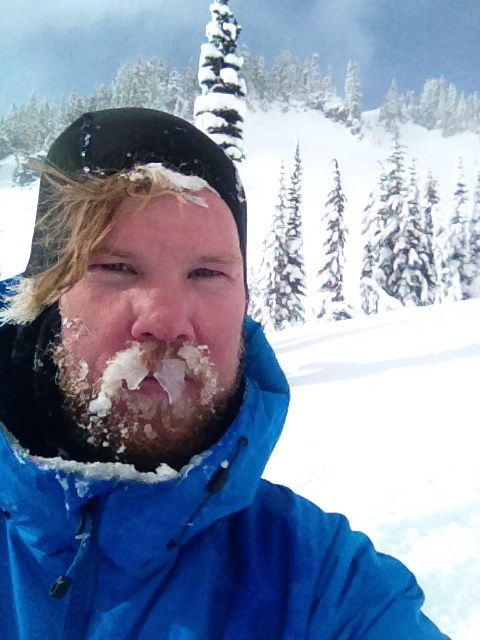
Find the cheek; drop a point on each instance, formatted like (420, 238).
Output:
(224, 339)
(91, 331)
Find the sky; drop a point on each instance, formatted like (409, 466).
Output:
(55, 46)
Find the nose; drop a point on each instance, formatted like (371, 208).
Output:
(163, 315)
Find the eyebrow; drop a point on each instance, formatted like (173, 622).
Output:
(222, 258)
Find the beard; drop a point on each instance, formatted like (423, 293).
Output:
(113, 420)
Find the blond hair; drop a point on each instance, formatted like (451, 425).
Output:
(79, 213)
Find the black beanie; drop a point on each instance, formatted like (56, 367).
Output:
(102, 143)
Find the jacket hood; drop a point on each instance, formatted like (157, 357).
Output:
(48, 495)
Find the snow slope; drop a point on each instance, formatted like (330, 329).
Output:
(273, 135)
(383, 427)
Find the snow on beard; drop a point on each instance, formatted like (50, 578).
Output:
(115, 415)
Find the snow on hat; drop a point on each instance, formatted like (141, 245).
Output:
(105, 142)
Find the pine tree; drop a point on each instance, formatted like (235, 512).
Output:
(458, 243)
(295, 269)
(330, 274)
(427, 109)
(475, 239)
(188, 91)
(372, 226)
(274, 284)
(379, 279)
(391, 110)
(256, 309)
(413, 280)
(391, 216)
(430, 212)
(444, 290)
(353, 97)
(283, 80)
(312, 83)
(220, 110)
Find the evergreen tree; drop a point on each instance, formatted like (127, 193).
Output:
(102, 98)
(475, 239)
(220, 110)
(295, 269)
(256, 309)
(372, 226)
(427, 110)
(448, 110)
(382, 226)
(353, 97)
(5, 145)
(312, 83)
(75, 106)
(430, 212)
(330, 274)
(283, 80)
(188, 91)
(444, 289)
(458, 243)
(391, 216)
(413, 279)
(274, 283)
(391, 110)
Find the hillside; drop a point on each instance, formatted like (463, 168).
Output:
(272, 136)
(383, 428)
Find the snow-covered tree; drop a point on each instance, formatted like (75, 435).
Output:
(295, 270)
(475, 239)
(431, 221)
(220, 110)
(372, 226)
(312, 82)
(283, 80)
(444, 290)
(427, 109)
(274, 286)
(330, 274)
(457, 249)
(381, 230)
(413, 279)
(391, 111)
(188, 90)
(353, 97)
(391, 215)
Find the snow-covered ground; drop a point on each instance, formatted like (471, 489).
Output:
(383, 420)
(383, 427)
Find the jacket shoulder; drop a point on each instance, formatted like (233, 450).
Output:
(356, 591)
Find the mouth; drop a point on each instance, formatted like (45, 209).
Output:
(150, 386)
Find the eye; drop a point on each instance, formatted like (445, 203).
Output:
(203, 272)
(117, 267)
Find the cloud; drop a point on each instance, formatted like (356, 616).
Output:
(24, 16)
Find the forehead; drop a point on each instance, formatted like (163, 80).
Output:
(199, 219)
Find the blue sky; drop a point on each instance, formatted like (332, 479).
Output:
(55, 46)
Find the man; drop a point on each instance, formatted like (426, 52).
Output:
(139, 407)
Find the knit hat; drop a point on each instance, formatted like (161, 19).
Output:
(102, 143)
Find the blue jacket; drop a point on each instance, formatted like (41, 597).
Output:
(213, 554)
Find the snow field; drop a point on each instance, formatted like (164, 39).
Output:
(383, 428)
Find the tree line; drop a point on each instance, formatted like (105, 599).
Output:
(414, 253)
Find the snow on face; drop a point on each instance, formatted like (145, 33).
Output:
(168, 275)
(142, 402)
(132, 366)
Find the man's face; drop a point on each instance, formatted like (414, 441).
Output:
(168, 275)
